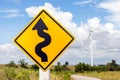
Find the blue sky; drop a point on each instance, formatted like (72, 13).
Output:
(80, 17)
(12, 25)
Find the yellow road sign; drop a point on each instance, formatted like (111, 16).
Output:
(43, 40)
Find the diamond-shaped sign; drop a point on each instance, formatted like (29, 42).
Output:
(44, 39)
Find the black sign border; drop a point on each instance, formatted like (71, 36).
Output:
(57, 24)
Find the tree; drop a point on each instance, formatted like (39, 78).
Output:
(100, 68)
(58, 67)
(81, 67)
(35, 67)
(112, 66)
(114, 63)
(11, 64)
(66, 63)
(22, 63)
(58, 63)
(65, 66)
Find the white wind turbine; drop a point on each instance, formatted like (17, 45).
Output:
(91, 46)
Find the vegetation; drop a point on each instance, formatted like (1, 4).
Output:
(35, 67)
(63, 75)
(22, 63)
(112, 66)
(11, 64)
(60, 68)
(81, 67)
(10, 73)
(110, 71)
(99, 68)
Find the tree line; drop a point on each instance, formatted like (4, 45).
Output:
(112, 66)
(80, 67)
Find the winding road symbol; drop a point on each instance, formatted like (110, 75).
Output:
(40, 27)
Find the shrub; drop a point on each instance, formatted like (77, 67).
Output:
(23, 64)
(100, 68)
(58, 67)
(66, 63)
(23, 75)
(81, 67)
(112, 66)
(10, 73)
(64, 68)
(35, 67)
(11, 64)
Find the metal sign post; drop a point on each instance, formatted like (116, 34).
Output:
(44, 75)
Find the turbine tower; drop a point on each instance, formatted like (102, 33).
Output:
(91, 47)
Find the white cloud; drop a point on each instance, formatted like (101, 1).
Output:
(10, 13)
(94, 22)
(106, 39)
(113, 8)
(13, 15)
(10, 52)
(109, 26)
(64, 18)
(83, 2)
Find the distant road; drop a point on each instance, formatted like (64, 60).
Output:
(76, 77)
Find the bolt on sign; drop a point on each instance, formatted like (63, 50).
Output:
(44, 40)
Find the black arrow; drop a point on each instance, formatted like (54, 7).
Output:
(40, 27)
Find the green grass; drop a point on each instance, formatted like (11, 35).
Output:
(7, 73)
(18, 74)
(10, 73)
(64, 75)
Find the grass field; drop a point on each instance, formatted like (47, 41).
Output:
(7, 73)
